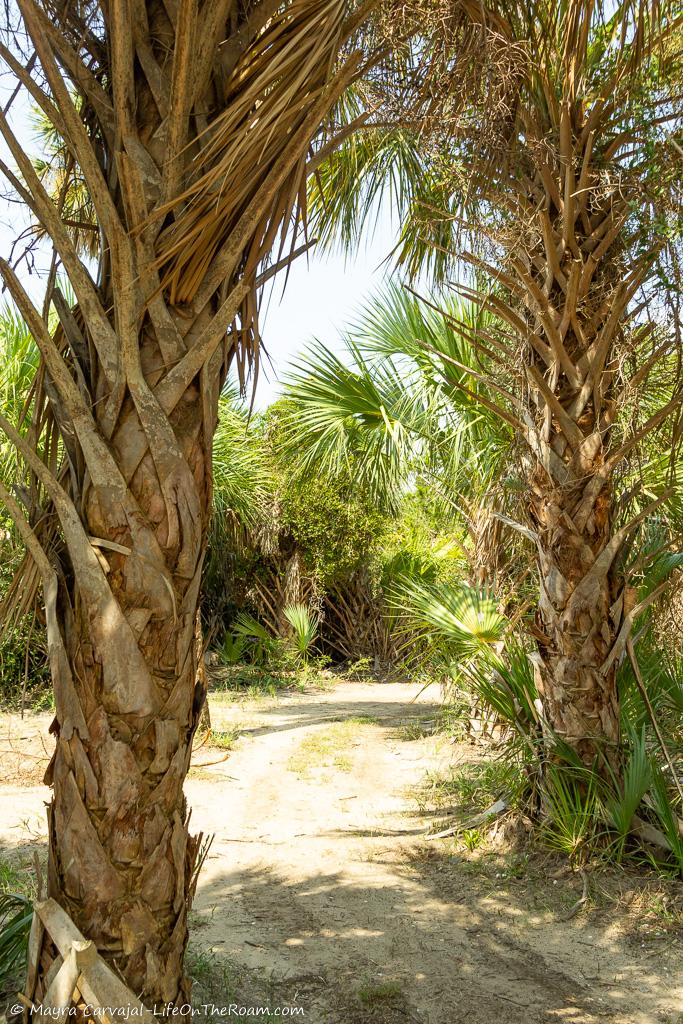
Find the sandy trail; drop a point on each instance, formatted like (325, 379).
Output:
(319, 880)
(322, 873)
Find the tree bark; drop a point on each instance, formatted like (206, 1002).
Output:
(192, 135)
(574, 305)
(121, 860)
(575, 631)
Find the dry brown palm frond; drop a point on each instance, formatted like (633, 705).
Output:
(277, 84)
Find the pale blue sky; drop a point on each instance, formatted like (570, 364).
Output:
(322, 296)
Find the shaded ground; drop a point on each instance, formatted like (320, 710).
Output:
(320, 891)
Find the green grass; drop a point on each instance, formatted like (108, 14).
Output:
(247, 681)
(379, 993)
(212, 977)
(470, 786)
(330, 747)
(255, 682)
(17, 892)
(417, 730)
(10, 879)
(17, 877)
(472, 838)
(224, 739)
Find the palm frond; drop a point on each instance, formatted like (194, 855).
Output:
(241, 480)
(16, 914)
(463, 620)
(305, 625)
(627, 793)
(398, 399)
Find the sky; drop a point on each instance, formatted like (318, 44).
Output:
(322, 296)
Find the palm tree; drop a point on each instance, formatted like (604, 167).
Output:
(562, 203)
(401, 403)
(189, 127)
(574, 270)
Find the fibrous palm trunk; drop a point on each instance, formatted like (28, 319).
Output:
(574, 306)
(192, 135)
(570, 275)
(571, 256)
(567, 288)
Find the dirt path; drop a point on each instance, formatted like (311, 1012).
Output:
(324, 871)
(319, 880)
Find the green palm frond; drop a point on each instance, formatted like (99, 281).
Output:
(443, 339)
(366, 415)
(399, 400)
(668, 811)
(18, 364)
(573, 808)
(662, 674)
(241, 478)
(254, 639)
(305, 624)
(504, 682)
(628, 792)
(378, 169)
(462, 621)
(18, 361)
(16, 914)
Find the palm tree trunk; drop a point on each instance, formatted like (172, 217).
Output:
(121, 860)
(192, 136)
(574, 626)
(574, 308)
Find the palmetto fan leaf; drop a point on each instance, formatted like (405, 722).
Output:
(398, 400)
(444, 339)
(305, 624)
(369, 415)
(19, 359)
(622, 803)
(464, 621)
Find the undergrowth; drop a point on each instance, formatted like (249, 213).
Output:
(624, 806)
(256, 681)
(17, 893)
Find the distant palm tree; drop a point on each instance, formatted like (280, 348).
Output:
(573, 247)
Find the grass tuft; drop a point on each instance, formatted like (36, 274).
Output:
(330, 747)
(376, 993)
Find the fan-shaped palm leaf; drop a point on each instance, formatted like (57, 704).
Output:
(464, 621)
